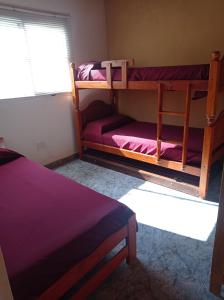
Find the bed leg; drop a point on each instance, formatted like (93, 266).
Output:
(206, 161)
(203, 186)
(81, 152)
(131, 240)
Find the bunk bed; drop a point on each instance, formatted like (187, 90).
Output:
(54, 231)
(194, 81)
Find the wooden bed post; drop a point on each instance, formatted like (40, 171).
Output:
(131, 240)
(78, 119)
(209, 129)
(114, 100)
(121, 63)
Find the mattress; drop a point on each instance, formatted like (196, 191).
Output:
(141, 137)
(48, 223)
(93, 71)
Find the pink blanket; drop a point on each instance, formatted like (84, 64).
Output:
(92, 71)
(141, 137)
(49, 222)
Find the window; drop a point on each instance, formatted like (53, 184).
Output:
(34, 54)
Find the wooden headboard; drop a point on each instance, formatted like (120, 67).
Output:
(96, 110)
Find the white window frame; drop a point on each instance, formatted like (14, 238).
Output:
(61, 27)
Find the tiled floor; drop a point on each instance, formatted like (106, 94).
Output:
(174, 240)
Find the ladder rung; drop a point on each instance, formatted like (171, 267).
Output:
(172, 113)
(175, 142)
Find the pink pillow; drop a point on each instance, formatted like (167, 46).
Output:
(113, 122)
(96, 110)
(94, 130)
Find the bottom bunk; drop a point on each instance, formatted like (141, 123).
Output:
(120, 135)
(126, 134)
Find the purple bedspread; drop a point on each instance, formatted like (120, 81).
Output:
(141, 137)
(49, 222)
(91, 71)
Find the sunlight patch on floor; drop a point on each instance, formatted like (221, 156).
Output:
(172, 211)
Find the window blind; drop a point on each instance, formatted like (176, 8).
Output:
(34, 54)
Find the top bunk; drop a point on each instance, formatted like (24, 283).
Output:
(120, 74)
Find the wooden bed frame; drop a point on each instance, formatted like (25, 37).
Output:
(70, 279)
(89, 263)
(78, 272)
(213, 131)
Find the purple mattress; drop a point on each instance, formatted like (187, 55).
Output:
(141, 137)
(48, 223)
(93, 71)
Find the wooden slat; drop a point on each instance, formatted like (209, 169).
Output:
(172, 113)
(186, 125)
(78, 119)
(92, 85)
(83, 267)
(117, 62)
(124, 74)
(123, 63)
(213, 84)
(199, 85)
(209, 131)
(159, 119)
(144, 157)
(109, 75)
(101, 275)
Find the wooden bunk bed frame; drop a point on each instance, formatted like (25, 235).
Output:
(213, 131)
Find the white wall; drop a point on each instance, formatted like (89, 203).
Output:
(42, 127)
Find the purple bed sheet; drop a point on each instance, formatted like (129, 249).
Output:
(93, 71)
(46, 225)
(141, 137)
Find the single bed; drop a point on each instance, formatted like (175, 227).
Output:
(170, 149)
(54, 231)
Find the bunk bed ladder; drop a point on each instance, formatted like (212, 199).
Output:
(159, 119)
(185, 115)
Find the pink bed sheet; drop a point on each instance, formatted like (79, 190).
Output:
(93, 71)
(49, 222)
(141, 137)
